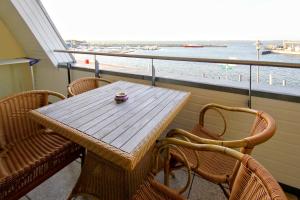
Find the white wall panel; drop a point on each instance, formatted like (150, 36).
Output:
(33, 29)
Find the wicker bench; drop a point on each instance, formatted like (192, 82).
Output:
(29, 153)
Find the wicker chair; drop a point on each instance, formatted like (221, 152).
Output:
(29, 153)
(214, 167)
(252, 182)
(84, 84)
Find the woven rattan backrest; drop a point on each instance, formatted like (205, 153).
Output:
(263, 129)
(84, 84)
(15, 124)
(259, 125)
(254, 182)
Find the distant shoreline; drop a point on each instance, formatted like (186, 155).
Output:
(181, 43)
(139, 44)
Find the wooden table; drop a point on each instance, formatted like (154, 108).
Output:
(118, 137)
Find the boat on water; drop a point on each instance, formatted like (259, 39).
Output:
(288, 47)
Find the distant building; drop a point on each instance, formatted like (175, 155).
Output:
(293, 46)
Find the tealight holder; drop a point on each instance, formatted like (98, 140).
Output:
(121, 97)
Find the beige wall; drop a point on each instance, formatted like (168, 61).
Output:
(13, 78)
(280, 155)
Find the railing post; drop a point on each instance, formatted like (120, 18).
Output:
(258, 45)
(97, 70)
(270, 79)
(69, 72)
(32, 62)
(153, 72)
(257, 74)
(250, 87)
(32, 77)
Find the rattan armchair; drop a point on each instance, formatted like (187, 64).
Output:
(29, 153)
(215, 167)
(85, 84)
(252, 182)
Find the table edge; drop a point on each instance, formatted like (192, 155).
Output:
(98, 147)
(108, 152)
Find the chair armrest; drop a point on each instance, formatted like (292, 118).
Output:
(201, 147)
(70, 93)
(180, 138)
(164, 149)
(103, 80)
(56, 94)
(172, 142)
(217, 108)
(182, 133)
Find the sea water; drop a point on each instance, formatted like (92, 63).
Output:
(272, 77)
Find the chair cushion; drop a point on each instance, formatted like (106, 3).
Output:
(41, 151)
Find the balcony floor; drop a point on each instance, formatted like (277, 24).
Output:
(60, 185)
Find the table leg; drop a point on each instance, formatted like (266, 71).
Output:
(104, 180)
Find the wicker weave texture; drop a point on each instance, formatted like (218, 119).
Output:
(213, 166)
(104, 180)
(15, 125)
(253, 182)
(29, 153)
(220, 168)
(151, 189)
(85, 84)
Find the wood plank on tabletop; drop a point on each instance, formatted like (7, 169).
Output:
(153, 126)
(116, 124)
(87, 101)
(93, 107)
(118, 111)
(134, 124)
(93, 118)
(60, 104)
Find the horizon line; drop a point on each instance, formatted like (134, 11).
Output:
(125, 40)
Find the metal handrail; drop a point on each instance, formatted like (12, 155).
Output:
(249, 63)
(189, 59)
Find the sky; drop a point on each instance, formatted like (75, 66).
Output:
(171, 20)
